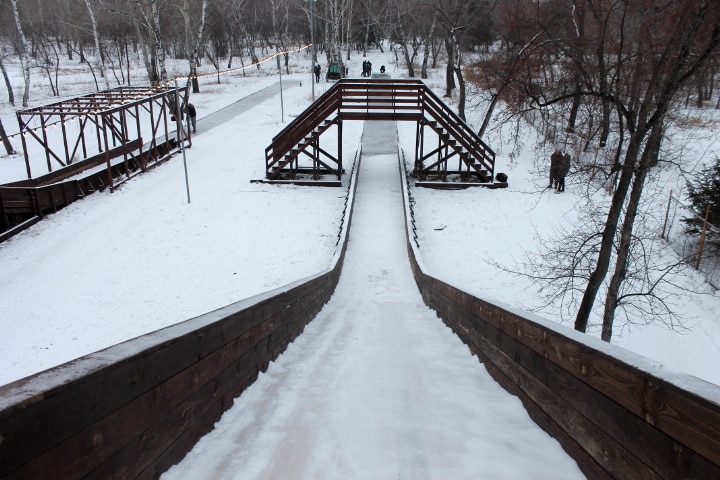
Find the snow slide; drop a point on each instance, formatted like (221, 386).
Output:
(377, 387)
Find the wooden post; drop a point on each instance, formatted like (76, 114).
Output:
(667, 214)
(340, 152)
(23, 127)
(702, 238)
(44, 126)
(5, 140)
(68, 160)
(107, 152)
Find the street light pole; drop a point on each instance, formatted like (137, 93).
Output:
(312, 40)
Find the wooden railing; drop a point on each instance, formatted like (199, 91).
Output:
(458, 130)
(25, 201)
(388, 100)
(322, 109)
(135, 409)
(619, 415)
(379, 99)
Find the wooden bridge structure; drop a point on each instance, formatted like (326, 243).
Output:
(458, 156)
(617, 414)
(90, 143)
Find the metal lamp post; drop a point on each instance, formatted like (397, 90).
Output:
(312, 41)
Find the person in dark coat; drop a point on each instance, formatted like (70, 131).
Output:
(317, 73)
(555, 160)
(562, 171)
(192, 114)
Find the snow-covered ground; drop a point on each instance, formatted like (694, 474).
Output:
(377, 386)
(116, 265)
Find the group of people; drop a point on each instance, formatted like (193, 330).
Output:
(367, 68)
(559, 168)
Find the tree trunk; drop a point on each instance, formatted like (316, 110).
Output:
(491, 108)
(408, 60)
(424, 68)
(608, 236)
(605, 126)
(577, 98)
(11, 95)
(24, 57)
(428, 47)
(450, 69)
(461, 100)
(100, 63)
(647, 161)
(159, 48)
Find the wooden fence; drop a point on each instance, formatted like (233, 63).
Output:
(133, 410)
(619, 415)
(24, 202)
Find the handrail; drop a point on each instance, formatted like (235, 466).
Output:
(380, 99)
(306, 122)
(459, 129)
(618, 415)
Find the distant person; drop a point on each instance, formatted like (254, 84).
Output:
(382, 68)
(369, 72)
(365, 68)
(562, 171)
(192, 117)
(174, 110)
(555, 160)
(317, 73)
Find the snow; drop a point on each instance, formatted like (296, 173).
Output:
(408, 399)
(117, 265)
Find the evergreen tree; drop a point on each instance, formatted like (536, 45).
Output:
(703, 193)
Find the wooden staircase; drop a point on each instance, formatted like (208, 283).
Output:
(296, 155)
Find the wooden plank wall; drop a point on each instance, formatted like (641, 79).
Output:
(615, 419)
(135, 409)
(34, 198)
(135, 416)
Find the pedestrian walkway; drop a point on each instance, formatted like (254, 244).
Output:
(234, 109)
(376, 387)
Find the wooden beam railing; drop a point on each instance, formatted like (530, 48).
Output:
(135, 409)
(619, 415)
(301, 126)
(379, 99)
(458, 130)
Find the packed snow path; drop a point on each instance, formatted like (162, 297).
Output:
(228, 113)
(376, 387)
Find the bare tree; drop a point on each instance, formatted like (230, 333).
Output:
(11, 95)
(428, 42)
(193, 46)
(645, 296)
(656, 49)
(99, 61)
(455, 17)
(500, 73)
(23, 52)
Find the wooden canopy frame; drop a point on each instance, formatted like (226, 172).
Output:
(110, 124)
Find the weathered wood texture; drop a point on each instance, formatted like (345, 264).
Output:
(136, 416)
(379, 99)
(37, 197)
(615, 419)
(136, 409)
